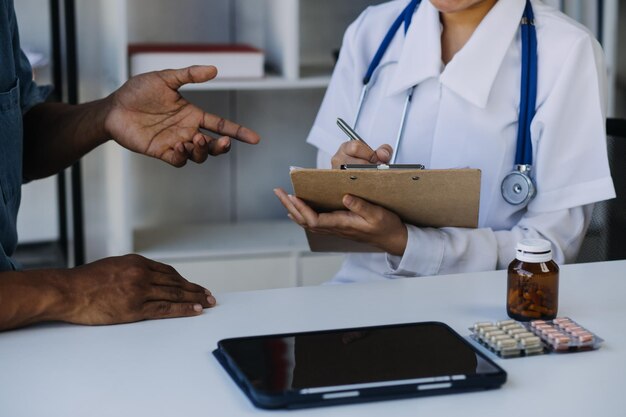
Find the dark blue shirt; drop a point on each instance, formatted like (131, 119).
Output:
(18, 93)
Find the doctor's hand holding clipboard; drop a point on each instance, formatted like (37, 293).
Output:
(361, 221)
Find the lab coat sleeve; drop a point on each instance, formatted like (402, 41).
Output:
(452, 250)
(569, 137)
(323, 160)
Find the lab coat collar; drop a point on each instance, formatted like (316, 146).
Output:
(472, 71)
(420, 57)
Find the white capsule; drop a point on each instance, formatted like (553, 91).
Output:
(533, 350)
(506, 343)
(530, 341)
(481, 324)
(482, 330)
(524, 335)
(512, 326)
(495, 339)
(489, 335)
(505, 322)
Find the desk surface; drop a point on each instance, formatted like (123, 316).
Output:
(164, 368)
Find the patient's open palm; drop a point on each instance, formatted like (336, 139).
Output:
(149, 116)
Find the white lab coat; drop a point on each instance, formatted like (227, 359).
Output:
(465, 115)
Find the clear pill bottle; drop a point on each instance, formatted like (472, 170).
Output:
(533, 282)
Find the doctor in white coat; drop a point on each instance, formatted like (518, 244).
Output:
(463, 58)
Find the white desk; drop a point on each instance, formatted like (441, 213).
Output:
(165, 368)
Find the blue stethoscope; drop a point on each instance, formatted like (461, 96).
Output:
(517, 186)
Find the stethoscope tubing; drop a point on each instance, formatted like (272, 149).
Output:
(528, 93)
(528, 89)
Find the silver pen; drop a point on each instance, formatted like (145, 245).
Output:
(350, 132)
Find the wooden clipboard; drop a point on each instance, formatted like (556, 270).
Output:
(430, 198)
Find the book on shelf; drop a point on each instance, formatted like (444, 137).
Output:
(233, 61)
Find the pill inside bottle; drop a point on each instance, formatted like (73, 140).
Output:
(533, 282)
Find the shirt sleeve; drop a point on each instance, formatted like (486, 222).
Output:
(452, 250)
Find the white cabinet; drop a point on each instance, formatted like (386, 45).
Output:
(240, 274)
(218, 223)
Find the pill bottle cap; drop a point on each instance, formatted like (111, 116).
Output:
(534, 250)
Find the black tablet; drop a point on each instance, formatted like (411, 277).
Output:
(356, 365)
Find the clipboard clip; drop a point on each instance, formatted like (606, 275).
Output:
(382, 166)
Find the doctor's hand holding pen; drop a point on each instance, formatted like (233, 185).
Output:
(361, 221)
(357, 151)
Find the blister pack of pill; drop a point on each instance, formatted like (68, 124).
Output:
(563, 334)
(510, 338)
(507, 338)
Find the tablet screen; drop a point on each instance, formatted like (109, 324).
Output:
(307, 362)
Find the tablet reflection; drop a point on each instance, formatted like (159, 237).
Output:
(342, 358)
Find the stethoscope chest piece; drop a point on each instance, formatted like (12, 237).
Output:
(517, 187)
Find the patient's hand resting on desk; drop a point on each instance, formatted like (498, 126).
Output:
(131, 288)
(362, 221)
(113, 290)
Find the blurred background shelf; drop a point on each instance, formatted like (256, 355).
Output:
(219, 222)
(269, 82)
(220, 218)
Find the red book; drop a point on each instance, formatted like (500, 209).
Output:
(231, 60)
